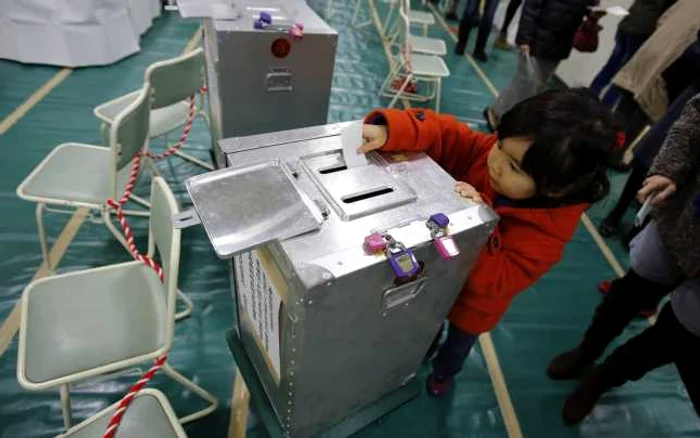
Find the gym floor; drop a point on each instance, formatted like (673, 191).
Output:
(503, 390)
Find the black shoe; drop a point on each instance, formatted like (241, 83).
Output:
(451, 16)
(569, 365)
(582, 401)
(480, 55)
(460, 48)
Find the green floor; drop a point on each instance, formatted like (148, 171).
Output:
(542, 322)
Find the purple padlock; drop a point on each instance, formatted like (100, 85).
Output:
(440, 219)
(265, 17)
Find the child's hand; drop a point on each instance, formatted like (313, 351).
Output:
(375, 137)
(468, 191)
(662, 186)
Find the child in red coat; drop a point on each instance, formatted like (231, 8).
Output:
(540, 172)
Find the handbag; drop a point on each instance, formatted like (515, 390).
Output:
(586, 38)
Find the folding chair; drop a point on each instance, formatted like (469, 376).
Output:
(78, 175)
(150, 415)
(409, 66)
(97, 321)
(173, 82)
(422, 44)
(420, 18)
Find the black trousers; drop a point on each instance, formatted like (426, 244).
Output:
(663, 343)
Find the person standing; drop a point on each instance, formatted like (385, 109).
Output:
(502, 40)
(632, 32)
(664, 258)
(470, 19)
(545, 37)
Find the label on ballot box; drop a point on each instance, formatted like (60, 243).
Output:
(259, 302)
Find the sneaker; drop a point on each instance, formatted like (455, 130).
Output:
(501, 42)
(460, 49)
(438, 387)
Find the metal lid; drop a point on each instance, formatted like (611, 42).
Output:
(243, 207)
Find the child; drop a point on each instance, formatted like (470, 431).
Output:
(542, 170)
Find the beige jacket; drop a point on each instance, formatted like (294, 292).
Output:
(641, 76)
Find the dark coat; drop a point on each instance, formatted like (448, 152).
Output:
(549, 26)
(678, 218)
(643, 16)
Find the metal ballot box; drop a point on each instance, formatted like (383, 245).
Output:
(264, 80)
(329, 327)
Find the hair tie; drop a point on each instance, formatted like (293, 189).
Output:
(620, 140)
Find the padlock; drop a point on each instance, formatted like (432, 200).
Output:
(440, 219)
(402, 261)
(375, 243)
(446, 247)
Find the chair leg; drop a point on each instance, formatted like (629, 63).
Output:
(437, 94)
(401, 90)
(356, 14)
(179, 378)
(140, 200)
(425, 30)
(194, 160)
(330, 9)
(188, 306)
(42, 236)
(64, 391)
(387, 19)
(107, 218)
(395, 69)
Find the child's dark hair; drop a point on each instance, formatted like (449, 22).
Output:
(573, 137)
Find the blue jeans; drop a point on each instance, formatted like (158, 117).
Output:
(452, 354)
(626, 45)
(471, 19)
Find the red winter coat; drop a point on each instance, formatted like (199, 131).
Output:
(527, 241)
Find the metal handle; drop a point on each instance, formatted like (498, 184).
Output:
(402, 295)
(186, 219)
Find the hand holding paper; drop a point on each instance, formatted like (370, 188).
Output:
(351, 139)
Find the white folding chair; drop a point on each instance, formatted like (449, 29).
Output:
(78, 175)
(422, 44)
(97, 321)
(173, 82)
(409, 66)
(419, 18)
(149, 415)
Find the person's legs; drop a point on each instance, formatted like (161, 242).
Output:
(469, 20)
(449, 360)
(651, 276)
(510, 14)
(629, 192)
(685, 303)
(631, 43)
(647, 351)
(611, 67)
(451, 13)
(485, 25)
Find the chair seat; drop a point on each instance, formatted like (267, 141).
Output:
(163, 120)
(429, 65)
(428, 46)
(73, 173)
(149, 415)
(87, 319)
(420, 17)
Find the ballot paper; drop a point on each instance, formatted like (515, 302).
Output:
(616, 11)
(351, 138)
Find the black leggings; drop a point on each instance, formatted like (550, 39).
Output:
(510, 14)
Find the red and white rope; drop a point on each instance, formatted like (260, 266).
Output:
(117, 206)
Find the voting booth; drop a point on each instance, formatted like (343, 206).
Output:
(342, 270)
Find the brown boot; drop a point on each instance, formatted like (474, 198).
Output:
(569, 365)
(584, 398)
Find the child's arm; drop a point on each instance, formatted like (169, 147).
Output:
(450, 143)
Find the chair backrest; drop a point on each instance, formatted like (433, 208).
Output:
(129, 133)
(176, 79)
(165, 238)
(404, 31)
